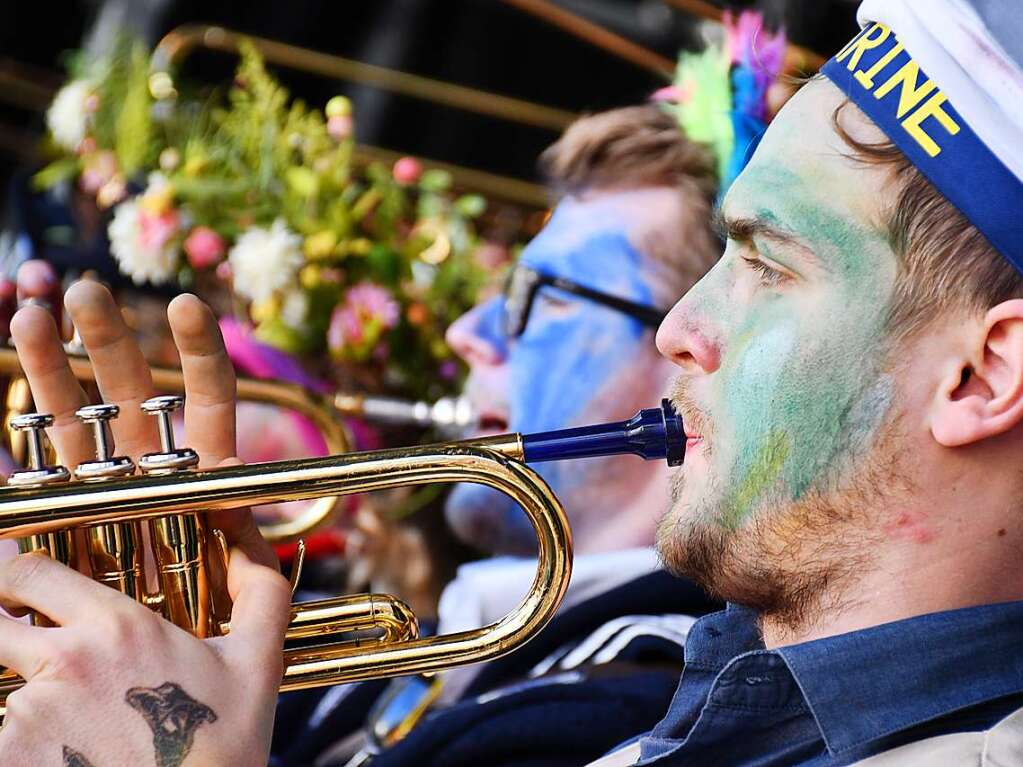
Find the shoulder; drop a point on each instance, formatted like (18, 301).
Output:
(999, 746)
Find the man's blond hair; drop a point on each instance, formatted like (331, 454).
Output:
(641, 147)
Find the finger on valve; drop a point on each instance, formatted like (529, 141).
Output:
(122, 373)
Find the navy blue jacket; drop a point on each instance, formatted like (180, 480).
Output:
(572, 713)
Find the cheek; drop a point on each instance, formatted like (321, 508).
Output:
(797, 399)
(558, 367)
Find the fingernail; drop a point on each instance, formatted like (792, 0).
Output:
(35, 301)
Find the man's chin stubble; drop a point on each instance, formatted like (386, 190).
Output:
(788, 561)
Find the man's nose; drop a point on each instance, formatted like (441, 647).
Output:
(478, 336)
(682, 340)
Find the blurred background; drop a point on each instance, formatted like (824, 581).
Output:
(388, 148)
(527, 50)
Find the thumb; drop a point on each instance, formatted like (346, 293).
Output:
(262, 603)
(241, 531)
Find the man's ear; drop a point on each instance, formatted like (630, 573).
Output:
(983, 396)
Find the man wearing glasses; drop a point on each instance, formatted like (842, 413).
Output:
(570, 341)
(566, 342)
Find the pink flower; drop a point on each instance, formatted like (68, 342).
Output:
(339, 127)
(99, 168)
(407, 170)
(368, 310)
(373, 303)
(156, 230)
(344, 329)
(204, 247)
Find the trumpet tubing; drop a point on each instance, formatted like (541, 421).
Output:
(326, 412)
(42, 503)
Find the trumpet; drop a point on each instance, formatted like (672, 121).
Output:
(43, 508)
(326, 412)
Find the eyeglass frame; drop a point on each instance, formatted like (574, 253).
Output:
(516, 319)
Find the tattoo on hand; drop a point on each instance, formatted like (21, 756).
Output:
(74, 759)
(173, 716)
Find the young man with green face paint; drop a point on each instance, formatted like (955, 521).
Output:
(852, 384)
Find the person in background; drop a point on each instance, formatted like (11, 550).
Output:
(570, 342)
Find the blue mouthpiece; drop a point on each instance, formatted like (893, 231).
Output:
(651, 434)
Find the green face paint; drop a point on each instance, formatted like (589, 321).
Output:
(800, 390)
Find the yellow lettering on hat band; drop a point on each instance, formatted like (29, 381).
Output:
(866, 79)
(910, 94)
(863, 43)
(931, 108)
(917, 101)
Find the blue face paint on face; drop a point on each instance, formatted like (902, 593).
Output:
(490, 325)
(571, 346)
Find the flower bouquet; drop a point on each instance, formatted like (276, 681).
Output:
(328, 259)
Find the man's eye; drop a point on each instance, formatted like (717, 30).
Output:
(552, 302)
(768, 275)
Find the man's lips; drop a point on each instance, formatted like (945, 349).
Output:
(493, 423)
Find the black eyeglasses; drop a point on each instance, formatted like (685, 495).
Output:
(524, 282)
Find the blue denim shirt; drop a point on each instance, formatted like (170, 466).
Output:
(834, 701)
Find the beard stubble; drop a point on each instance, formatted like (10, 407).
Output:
(792, 561)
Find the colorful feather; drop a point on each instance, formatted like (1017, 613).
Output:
(720, 95)
(702, 99)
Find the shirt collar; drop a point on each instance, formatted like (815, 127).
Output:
(716, 639)
(871, 683)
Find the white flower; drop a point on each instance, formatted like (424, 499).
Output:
(157, 183)
(144, 245)
(265, 261)
(68, 116)
(294, 308)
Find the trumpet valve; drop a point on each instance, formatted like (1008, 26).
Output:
(37, 473)
(105, 466)
(179, 540)
(169, 458)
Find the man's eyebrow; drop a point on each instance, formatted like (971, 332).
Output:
(745, 228)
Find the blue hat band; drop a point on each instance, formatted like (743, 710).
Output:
(877, 73)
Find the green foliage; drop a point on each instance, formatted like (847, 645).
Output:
(60, 170)
(123, 121)
(133, 132)
(249, 155)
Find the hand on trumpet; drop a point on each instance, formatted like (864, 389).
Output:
(112, 683)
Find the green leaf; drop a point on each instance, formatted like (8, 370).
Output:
(64, 169)
(385, 263)
(276, 333)
(435, 180)
(303, 181)
(133, 132)
(471, 205)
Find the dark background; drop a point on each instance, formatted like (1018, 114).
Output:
(480, 43)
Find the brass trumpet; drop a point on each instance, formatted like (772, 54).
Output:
(326, 412)
(42, 507)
